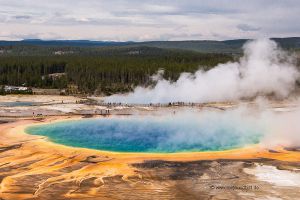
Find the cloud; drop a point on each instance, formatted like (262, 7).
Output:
(22, 17)
(206, 19)
(246, 27)
(32, 35)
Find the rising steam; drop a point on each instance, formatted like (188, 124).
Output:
(263, 70)
(240, 124)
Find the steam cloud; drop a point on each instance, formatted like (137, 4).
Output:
(263, 70)
(241, 125)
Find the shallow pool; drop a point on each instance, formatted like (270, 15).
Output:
(17, 103)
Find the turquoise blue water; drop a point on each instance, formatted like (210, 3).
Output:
(151, 134)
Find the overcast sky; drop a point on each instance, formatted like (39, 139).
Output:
(140, 20)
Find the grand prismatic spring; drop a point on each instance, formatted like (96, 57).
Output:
(152, 134)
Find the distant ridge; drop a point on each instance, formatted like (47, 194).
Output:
(205, 46)
(78, 43)
(213, 46)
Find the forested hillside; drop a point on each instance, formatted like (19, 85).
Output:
(111, 67)
(104, 71)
